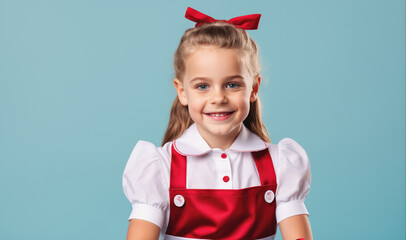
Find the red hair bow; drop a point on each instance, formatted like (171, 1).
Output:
(247, 22)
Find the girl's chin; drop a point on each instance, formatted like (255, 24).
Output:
(220, 130)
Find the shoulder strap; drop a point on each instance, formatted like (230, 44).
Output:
(263, 161)
(178, 170)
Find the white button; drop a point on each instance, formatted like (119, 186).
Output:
(269, 196)
(179, 200)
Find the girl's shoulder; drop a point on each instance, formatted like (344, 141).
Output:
(145, 156)
(289, 151)
(148, 150)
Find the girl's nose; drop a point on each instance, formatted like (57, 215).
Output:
(218, 97)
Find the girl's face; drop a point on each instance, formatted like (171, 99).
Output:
(218, 89)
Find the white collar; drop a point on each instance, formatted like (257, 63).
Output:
(191, 143)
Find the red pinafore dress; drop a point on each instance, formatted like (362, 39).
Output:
(227, 214)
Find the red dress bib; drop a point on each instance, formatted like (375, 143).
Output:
(247, 213)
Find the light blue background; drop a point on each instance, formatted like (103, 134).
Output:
(82, 81)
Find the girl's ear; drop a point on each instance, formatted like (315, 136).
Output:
(255, 88)
(181, 91)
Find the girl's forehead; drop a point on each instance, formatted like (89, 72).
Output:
(207, 59)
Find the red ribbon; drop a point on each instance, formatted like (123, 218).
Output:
(247, 22)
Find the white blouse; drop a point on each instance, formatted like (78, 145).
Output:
(147, 173)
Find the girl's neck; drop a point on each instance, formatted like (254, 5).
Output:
(219, 141)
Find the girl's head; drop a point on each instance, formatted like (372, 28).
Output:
(217, 74)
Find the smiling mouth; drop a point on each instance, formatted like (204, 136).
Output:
(219, 116)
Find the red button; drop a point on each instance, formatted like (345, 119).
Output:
(226, 178)
(224, 155)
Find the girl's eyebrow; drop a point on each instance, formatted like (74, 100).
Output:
(200, 78)
(234, 76)
(208, 79)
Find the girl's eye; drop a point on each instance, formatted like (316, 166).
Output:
(202, 86)
(232, 85)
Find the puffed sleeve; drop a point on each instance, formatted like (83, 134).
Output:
(144, 184)
(293, 177)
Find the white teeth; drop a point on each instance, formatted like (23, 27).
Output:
(219, 114)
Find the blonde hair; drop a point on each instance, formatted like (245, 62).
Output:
(221, 35)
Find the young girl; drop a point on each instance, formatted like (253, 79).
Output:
(217, 175)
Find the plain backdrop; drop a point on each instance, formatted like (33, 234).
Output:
(82, 81)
